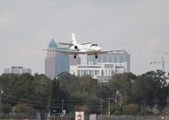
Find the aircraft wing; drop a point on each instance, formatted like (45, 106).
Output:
(71, 52)
(109, 52)
(112, 51)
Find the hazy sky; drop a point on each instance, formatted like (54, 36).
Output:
(27, 26)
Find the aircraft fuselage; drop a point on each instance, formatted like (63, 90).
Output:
(89, 49)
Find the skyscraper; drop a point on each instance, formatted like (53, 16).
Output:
(55, 62)
(50, 60)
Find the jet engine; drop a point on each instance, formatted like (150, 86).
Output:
(76, 47)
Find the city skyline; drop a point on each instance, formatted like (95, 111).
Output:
(28, 26)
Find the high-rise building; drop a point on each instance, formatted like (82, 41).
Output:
(50, 60)
(110, 58)
(56, 62)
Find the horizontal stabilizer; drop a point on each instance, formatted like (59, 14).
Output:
(86, 43)
(65, 43)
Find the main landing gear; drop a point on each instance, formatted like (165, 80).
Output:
(96, 55)
(75, 56)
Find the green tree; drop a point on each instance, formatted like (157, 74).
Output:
(6, 108)
(123, 83)
(42, 89)
(130, 109)
(23, 88)
(23, 108)
(7, 84)
(116, 108)
(151, 88)
(56, 99)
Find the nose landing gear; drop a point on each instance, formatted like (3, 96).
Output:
(96, 55)
(74, 56)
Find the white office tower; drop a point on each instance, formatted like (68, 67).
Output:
(120, 57)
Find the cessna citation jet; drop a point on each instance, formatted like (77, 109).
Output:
(84, 48)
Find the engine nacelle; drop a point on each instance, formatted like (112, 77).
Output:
(76, 47)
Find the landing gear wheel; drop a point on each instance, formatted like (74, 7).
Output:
(96, 55)
(74, 56)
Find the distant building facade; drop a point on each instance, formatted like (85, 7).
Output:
(17, 70)
(110, 58)
(104, 67)
(27, 70)
(102, 72)
(56, 62)
(7, 70)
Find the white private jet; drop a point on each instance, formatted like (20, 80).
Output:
(84, 48)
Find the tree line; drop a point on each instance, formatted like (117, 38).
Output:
(125, 93)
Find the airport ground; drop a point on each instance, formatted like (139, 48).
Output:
(45, 116)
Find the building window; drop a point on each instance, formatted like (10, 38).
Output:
(84, 72)
(98, 72)
(102, 73)
(95, 72)
(108, 65)
(104, 58)
(119, 67)
(90, 72)
(110, 58)
(89, 66)
(78, 73)
(115, 58)
(112, 72)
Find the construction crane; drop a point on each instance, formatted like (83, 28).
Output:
(163, 52)
(163, 63)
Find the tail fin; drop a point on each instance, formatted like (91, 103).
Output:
(73, 39)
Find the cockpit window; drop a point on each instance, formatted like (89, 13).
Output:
(94, 45)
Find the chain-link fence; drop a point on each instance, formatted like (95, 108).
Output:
(46, 116)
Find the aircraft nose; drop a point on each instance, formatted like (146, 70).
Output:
(99, 48)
